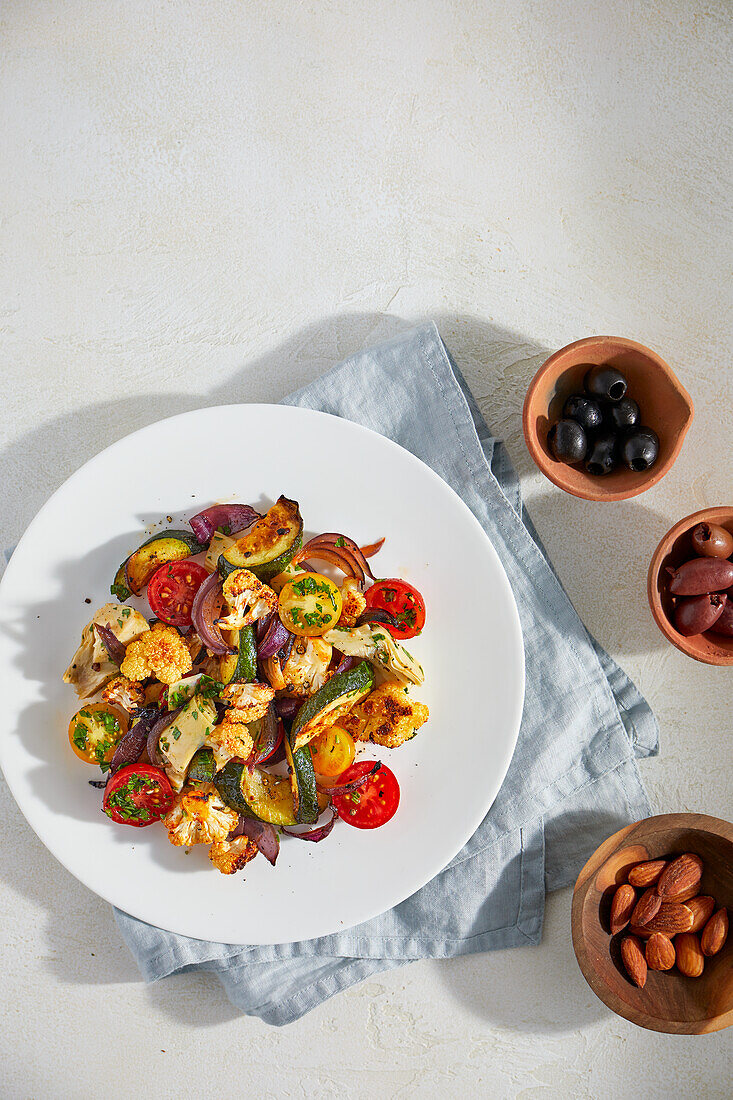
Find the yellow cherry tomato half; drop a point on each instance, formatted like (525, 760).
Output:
(94, 732)
(309, 605)
(332, 751)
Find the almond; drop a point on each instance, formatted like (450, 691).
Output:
(670, 920)
(715, 933)
(660, 953)
(690, 959)
(646, 874)
(701, 908)
(633, 960)
(646, 907)
(685, 895)
(679, 875)
(623, 902)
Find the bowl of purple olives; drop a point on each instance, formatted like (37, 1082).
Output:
(604, 418)
(690, 586)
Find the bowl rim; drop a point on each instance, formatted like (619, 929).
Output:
(716, 826)
(679, 641)
(532, 441)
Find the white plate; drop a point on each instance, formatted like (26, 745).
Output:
(346, 478)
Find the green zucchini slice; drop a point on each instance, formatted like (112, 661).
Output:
(333, 700)
(255, 793)
(119, 587)
(269, 544)
(202, 768)
(242, 665)
(303, 784)
(164, 547)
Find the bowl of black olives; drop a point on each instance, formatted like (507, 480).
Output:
(605, 418)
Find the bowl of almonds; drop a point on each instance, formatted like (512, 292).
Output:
(650, 921)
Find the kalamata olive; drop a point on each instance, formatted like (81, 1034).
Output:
(712, 541)
(701, 575)
(640, 448)
(567, 441)
(623, 415)
(724, 624)
(603, 455)
(698, 613)
(605, 382)
(585, 410)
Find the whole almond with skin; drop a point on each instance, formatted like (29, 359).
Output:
(701, 908)
(622, 905)
(646, 907)
(646, 874)
(634, 960)
(660, 952)
(684, 895)
(670, 920)
(679, 875)
(690, 959)
(715, 933)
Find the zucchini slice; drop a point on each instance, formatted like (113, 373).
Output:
(119, 587)
(255, 793)
(303, 784)
(161, 548)
(202, 768)
(269, 544)
(330, 702)
(241, 666)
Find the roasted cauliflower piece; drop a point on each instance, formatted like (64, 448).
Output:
(228, 740)
(249, 700)
(91, 667)
(198, 816)
(124, 693)
(229, 856)
(353, 602)
(248, 600)
(387, 717)
(161, 653)
(378, 646)
(306, 669)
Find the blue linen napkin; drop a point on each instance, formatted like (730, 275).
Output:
(573, 779)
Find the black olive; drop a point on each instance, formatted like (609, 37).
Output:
(605, 382)
(584, 410)
(641, 449)
(603, 456)
(623, 415)
(567, 441)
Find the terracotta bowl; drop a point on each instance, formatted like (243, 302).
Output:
(666, 406)
(676, 547)
(669, 1001)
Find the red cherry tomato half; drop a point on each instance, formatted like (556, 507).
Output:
(401, 600)
(372, 804)
(138, 795)
(171, 590)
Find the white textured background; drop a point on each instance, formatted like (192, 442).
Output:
(206, 201)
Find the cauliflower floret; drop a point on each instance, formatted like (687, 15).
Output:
(306, 669)
(387, 717)
(124, 693)
(249, 700)
(248, 599)
(198, 816)
(353, 602)
(91, 667)
(228, 740)
(161, 653)
(229, 856)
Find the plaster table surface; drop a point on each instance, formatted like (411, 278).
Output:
(204, 203)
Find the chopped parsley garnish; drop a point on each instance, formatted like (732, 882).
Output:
(80, 736)
(340, 541)
(389, 594)
(176, 733)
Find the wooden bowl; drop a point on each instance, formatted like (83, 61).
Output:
(669, 1001)
(676, 547)
(666, 406)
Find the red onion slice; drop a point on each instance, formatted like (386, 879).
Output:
(129, 748)
(347, 546)
(373, 548)
(376, 615)
(270, 733)
(115, 648)
(273, 639)
(319, 833)
(346, 788)
(345, 664)
(260, 833)
(287, 706)
(204, 612)
(237, 517)
(154, 735)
